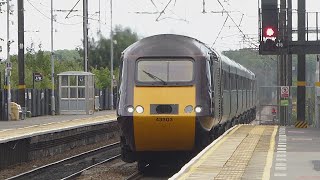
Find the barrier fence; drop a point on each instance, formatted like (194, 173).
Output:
(267, 103)
(38, 101)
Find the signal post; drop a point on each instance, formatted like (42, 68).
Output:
(275, 33)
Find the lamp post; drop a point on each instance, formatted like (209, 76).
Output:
(111, 55)
(8, 64)
(53, 108)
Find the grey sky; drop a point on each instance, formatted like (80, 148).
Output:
(181, 17)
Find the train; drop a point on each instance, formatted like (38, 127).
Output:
(177, 95)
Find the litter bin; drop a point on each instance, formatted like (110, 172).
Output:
(15, 108)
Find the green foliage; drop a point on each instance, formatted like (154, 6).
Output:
(71, 60)
(102, 77)
(67, 55)
(39, 62)
(99, 51)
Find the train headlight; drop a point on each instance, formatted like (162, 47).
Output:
(139, 109)
(130, 109)
(188, 109)
(198, 109)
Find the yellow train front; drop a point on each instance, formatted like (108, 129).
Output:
(166, 105)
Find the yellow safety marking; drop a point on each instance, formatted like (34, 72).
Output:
(301, 124)
(194, 167)
(301, 83)
(267, 168)
(317, 84)
(21, 86)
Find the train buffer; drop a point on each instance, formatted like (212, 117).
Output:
(258, 152)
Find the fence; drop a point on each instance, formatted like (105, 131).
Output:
(267, 99)
(38, 101)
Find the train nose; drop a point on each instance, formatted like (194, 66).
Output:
(164, 125)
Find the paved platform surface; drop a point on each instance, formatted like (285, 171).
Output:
(11, 130)
(258, 152)
(297, 154)
(48, 119)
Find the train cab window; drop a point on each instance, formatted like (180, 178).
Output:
(164, 71)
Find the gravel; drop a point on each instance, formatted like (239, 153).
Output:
(116, 169)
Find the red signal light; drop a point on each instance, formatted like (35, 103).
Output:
(270, 32)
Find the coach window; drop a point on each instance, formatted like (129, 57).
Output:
(237, 82)
(225, 80)
(234, 82)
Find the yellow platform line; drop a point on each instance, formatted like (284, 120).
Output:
(191, 167)
(267, 168)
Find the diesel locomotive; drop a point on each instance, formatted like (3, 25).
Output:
(177, 95)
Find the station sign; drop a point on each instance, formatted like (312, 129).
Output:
(37, 77)
(285, 91)
(284, 102)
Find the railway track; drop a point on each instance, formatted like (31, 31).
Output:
(73, 166)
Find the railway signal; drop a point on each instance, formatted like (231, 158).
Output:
(269, 25)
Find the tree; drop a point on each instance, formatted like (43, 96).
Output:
(102, 77)
(99, 51)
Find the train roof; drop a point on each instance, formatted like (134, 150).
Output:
(170, 45)
(235, 67)
(167, 44)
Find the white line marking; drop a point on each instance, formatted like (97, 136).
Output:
(282, 145)
(281, 164)
(281, 159)
(280, 174)
(281, 155)
(281, 168)
(281, 152)
(281, 149)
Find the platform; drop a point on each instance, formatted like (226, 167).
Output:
(41, 137)
(12, 130)
(258, 152)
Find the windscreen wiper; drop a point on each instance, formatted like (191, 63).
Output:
(155, 77)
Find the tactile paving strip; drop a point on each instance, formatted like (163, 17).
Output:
(229, 158)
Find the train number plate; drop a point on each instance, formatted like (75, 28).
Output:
(164, 119)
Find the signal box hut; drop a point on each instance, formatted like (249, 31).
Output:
(76, 92)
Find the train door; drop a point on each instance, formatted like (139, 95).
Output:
(218, 88)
